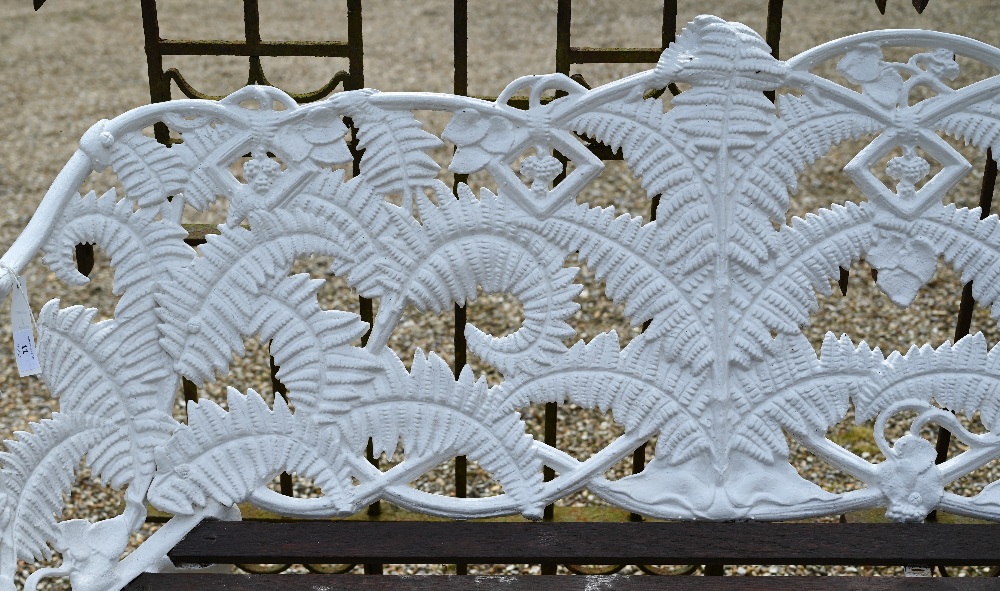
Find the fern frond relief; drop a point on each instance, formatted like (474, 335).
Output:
(437, 417)
(807, 128)
(149, 171)
(637, 388)
(142, 248)
(724, 140)
(627, 255)
(314, 349)
(103, 369)
(705, 51)
(645, 135)
(74, 353)
(206, 308)
(205, 152)
(977, 124)
(811, 251)
(721, 243)
(223, 456)
(791, 389)
(396, 146)
(363, 219)
(100, 370)
(964, 377)
(981, 393)
(466, 243)
(38, 469)
(970, 244)
(544, 328)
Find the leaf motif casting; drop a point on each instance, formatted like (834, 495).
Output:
(250, 442)
(724, 283)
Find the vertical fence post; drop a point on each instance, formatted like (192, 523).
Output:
(460, 31)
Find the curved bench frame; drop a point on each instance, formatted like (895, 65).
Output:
(721, 374)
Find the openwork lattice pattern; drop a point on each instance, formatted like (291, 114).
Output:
(721, 374)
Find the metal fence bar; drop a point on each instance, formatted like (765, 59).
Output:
(461, 87)
(159, 87)
(773, 33)
(256, 48)
(252, 47)
(356, 46)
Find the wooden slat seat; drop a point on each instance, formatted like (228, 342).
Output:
(869, 544)
(192, 582)
(889, 544)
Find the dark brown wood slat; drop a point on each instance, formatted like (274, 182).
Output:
(592, 543)
(192, 582)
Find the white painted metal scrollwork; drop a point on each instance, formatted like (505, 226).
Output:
(721, 375)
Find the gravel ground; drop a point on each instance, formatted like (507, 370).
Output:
(76, 62)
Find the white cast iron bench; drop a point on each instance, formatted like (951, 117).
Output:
(721, 374)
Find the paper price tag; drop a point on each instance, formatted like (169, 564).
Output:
(24, 352)
(22, 325)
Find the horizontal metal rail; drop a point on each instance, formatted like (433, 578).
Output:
(261, 49)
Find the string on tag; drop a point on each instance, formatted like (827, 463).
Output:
(23, 325)
(19, 286)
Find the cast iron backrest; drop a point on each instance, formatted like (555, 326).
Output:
(721, 374)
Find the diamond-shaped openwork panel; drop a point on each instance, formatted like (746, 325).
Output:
(907, 201)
